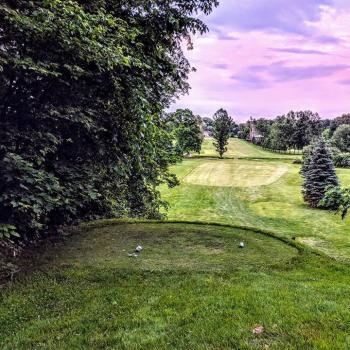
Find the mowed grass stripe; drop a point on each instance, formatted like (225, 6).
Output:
(235, 173)
(242, 149)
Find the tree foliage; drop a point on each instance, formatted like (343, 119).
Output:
(335, 123)
(82, 88)
(337, 199)
(221, 131)
(187, 129)
(318, 175)
(294, 130)
(341, 138)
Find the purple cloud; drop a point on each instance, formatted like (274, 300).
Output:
(221, 35)
(262, 76)
(250, 80)
(344, 82)
(273, 15)
(281, 73)
(223, 66)
(327, 39)
(299, 51)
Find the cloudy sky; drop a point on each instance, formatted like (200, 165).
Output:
(266, 57)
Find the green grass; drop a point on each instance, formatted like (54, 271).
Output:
(241, 149)
(256, 199)
(191, 288)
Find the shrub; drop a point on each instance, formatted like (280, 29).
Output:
(342, 160)
(336, 199)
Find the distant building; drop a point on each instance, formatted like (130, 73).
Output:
(255, 135)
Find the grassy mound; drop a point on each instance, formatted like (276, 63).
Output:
(169, 247)
(191, 288)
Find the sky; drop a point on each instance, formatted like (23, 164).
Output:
(263, 58)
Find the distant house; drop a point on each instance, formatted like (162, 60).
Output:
(255, 135)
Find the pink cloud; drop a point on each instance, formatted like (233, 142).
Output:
(261, 71)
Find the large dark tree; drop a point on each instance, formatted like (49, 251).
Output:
(221, 131)
(319, 175)
(82, 88)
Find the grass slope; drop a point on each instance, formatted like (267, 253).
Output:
(192, 288)
(241, 149)
(264, 193)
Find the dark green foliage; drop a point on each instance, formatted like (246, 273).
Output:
(306, 158)
(337, 199)
(335, 123)
(318, 175)
(341, 138)
(82, 88)
(221, 131)
(208, 125)
(243, 131)
(234, 129)
(342, 160)
(292, 131)
(187, 129)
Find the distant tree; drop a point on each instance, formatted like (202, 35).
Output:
(234, 129)
(208, 125)
(243, 131)
(263, 125)
(188, 130)
(278, 138)
(319, 175)
(221, 131)
(326, 134)
(306, 127)
(335, 123)
(341, 138)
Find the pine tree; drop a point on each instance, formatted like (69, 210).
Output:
(319, 175)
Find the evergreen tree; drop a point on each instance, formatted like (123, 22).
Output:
(221, 130)
(319, 175)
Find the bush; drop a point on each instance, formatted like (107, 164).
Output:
(342, 160)
(336, 199)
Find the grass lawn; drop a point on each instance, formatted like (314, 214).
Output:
(263, 193)
(241, 149)
(191, 288)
